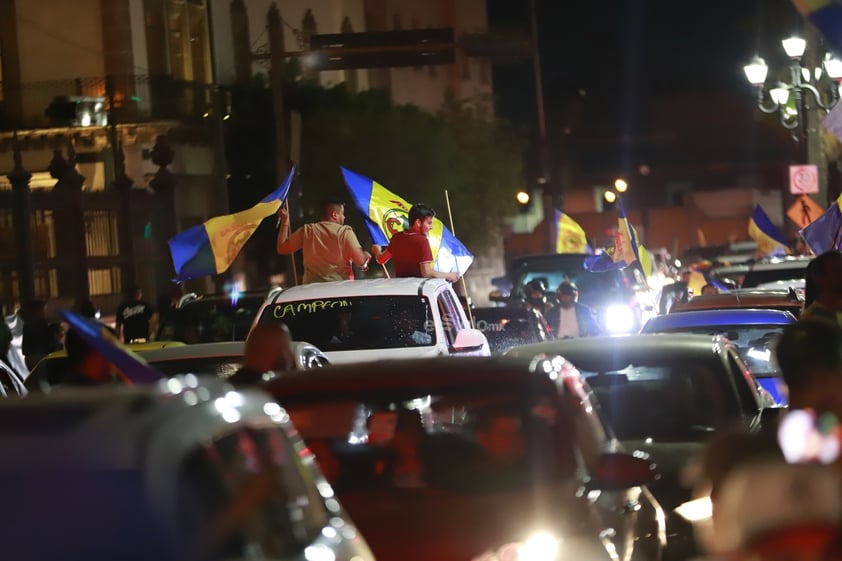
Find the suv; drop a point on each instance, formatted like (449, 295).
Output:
(352, 321)
(182, 470)
(619, 297)
(212, 318)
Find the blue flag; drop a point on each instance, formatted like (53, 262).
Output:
(825, 232)
(102, 341)
(210, 248)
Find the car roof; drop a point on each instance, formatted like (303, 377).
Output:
(364, 287)
(724, 317)
(785, 263)
(222, 348)
(404, 374)
(741, 299)
(663, 345)
(132, 420)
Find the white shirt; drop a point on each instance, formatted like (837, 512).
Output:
(568, 326)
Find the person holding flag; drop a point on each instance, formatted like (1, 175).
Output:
(329, 246)
(410, 249)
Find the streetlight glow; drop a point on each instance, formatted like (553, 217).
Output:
(620, 185)
(756, 71)
(779, 94)
(833, 67)
(794, 46)
(522, 197)
(610, 196)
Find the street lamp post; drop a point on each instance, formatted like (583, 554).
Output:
(799, 98)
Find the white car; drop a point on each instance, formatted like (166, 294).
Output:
(361, 320)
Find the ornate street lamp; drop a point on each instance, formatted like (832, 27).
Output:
(790, 98)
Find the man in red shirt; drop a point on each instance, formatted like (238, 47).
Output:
(410, 249)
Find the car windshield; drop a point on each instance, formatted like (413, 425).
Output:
(462, 440)
(667, 400)
(210, 320)
(505, 331)
(357, 322)
(756, 277)
(754, 343)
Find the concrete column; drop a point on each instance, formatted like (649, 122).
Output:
(22, 197)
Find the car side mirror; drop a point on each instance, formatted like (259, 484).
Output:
(469, 340)
(621, 470)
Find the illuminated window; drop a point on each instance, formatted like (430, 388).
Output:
(188, 38)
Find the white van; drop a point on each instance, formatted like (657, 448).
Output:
(360, 320)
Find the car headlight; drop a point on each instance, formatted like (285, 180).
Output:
(619, 319)
(695, 510)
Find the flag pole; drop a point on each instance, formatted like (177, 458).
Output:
(291, 255)
(462, 277)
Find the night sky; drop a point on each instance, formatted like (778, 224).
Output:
(626, 54)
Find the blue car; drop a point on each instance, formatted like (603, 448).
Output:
(755, 333)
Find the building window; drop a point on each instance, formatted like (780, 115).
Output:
(189, 40)
(101, 233)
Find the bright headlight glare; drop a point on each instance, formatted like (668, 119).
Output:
(540, 546)
(696, 510)
(619, 319)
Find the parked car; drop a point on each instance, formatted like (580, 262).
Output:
(354, 321)
(786, 269)
(507, 327)
(171, 358)
(182, 470)
(754, 333)
(620, 298)
(787, 300)
(665, 394)
(211, 318)
(507, 455)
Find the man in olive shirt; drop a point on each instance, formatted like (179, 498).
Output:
(329, 246)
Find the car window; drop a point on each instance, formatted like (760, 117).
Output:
(667, 401)
(757, 277)
(453, 308)
(448, 319)
(508, 330)
(210, 320)
(358, 322)
(746, 385)
(244, 495)
(595, 289)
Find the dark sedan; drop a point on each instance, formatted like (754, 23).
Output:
(507, 327)
(665, 394)
(484, 457)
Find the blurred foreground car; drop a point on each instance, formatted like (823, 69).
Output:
(665, 394)
(754, 333)
(203, 359)
(184, 470)
(507, 327)
(786, 300)
(480, 457)
(371, 319)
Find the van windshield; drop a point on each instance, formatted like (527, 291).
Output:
(357, 322)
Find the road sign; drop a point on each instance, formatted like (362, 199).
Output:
(804, 211)
(803, 179)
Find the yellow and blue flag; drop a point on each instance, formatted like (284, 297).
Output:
(627, 249)
(386, 214)
(210, 248)
(769, 239)
(102, 341)
(825, 232)
(570, 237)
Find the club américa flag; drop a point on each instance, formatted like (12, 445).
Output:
(627, 249)
(101, 340)
(769, 239)
(570, 237)
(386, 214)
(210, 248)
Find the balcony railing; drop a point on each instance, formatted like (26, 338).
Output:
(136, 99)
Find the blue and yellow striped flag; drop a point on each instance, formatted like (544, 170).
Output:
(570, 237)
(769, 239)
(210, 248)
(386, 214)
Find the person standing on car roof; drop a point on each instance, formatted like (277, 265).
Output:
(410, 250)
(329, 246)
(570, 318)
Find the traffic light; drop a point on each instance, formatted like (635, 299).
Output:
(381, 49)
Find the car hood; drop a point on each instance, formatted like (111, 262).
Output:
(350, 357)
(673, 461)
